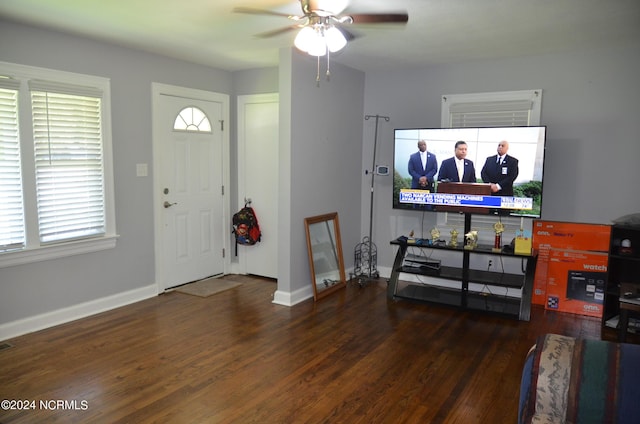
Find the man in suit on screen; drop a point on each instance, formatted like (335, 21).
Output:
(422, 168)
(458, 168)
(500, 171)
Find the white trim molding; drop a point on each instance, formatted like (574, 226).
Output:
(82, 310)
(55, 251)
(292, 298)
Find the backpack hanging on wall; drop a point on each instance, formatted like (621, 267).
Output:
(245, 226)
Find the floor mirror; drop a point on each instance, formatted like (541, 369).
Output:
(325, 254)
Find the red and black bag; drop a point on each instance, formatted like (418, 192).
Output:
(245, 226)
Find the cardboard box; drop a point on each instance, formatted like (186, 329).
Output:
(576, 281)
(563, 235)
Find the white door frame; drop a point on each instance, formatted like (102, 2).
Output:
(158, 90)
(242, 102)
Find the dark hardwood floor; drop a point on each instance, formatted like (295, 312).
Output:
(235, 357)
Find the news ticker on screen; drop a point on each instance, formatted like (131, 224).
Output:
(422, 197)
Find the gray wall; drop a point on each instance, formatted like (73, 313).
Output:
(325, 128)
(590, 109)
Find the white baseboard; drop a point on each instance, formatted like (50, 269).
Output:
(50, 319)
(292, 298)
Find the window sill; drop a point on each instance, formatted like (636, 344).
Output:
(44, 253)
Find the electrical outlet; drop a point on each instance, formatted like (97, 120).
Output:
(489, 264)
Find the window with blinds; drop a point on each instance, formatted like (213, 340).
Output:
(68, 163)
(12, 234)
(55, 168)
(499, 109)
(493, 109)
(490, 114)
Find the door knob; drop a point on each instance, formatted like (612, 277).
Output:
(167, 204)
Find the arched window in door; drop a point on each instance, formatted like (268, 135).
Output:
(193, 119)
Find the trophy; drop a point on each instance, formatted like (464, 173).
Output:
(471, 240)
(454, 238)
(498, 228)
(435, 235)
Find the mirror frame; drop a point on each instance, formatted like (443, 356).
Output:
(329, 217)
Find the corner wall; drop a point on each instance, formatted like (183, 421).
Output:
(323, 156)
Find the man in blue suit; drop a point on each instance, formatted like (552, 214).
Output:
(457, 168)
(422, 168)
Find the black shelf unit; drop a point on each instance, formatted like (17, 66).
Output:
(623, 271)
(461, 296)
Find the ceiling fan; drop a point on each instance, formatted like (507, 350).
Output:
(323, 30)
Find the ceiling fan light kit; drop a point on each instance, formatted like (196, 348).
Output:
(335, 39)
(321, 31)
(318, 39)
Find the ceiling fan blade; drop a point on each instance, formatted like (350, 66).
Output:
(277, 31)
(379, 18)
(349, 35)
(252, 11)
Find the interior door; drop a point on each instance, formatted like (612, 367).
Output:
(258, 129)
(190, 158)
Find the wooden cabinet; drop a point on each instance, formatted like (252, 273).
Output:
(623, 273)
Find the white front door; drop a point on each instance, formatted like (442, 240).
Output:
(258, 129)
(188, 160)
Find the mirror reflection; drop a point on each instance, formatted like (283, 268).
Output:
(325, 254)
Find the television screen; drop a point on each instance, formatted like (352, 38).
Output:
(477, 170)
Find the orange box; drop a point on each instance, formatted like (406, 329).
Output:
(563, 235)
(576, 281)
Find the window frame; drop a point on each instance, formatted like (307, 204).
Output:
(35, 250)
(489, 103)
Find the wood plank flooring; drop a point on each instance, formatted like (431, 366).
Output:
(235, 357)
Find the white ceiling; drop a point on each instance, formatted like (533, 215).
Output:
(438, 31)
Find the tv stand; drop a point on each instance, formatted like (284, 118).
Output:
(470, 288)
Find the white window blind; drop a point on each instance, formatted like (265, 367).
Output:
(56, 166)
(12, 234)
(499, 109)
(490, 114)
(68, 152)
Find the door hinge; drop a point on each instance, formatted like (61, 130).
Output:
(223, 252)
(222, 190)
(221, 125)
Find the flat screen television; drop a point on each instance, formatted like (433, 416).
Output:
(488, 186)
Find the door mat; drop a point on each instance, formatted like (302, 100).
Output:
(207, 287)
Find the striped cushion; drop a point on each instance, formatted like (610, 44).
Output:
(570, 380)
